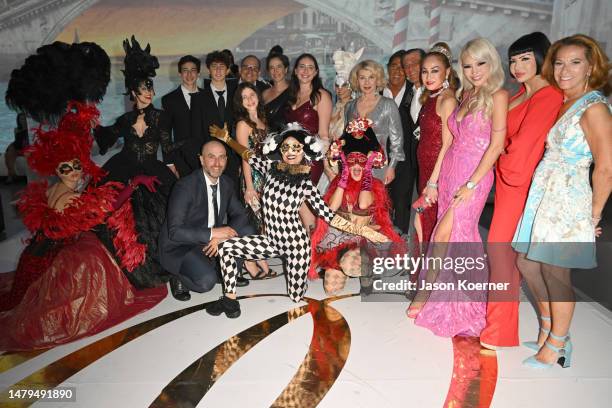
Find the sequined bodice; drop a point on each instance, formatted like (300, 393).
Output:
(431, 129)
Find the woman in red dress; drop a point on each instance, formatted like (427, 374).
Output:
(438, 101)
(67, 284)
(531, 114)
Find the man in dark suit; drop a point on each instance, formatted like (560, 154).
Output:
(178, 106)
(203, 210)
(250, 66)
(213, 106)
(404, 91)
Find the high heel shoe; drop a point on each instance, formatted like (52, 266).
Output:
(564, 354)
(533, 345)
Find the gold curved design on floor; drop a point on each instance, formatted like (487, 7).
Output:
(474, 374)
(327, 354)
(57, 372)
(13, 359)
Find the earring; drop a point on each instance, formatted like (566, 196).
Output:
(586, 83)
(445, 84)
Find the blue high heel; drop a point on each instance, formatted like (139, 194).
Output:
(564, 354)
(533, 345)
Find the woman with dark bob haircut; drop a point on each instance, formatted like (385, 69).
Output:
(531, 114)
(559, 225)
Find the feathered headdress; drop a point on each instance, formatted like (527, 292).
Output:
(71, 139)
(313, 147)
(140, 65)
(56, 74)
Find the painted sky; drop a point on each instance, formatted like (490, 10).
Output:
(175, 27)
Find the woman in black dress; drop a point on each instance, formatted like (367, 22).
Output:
(143, 129)
(275, 98)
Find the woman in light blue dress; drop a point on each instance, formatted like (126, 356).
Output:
(558, 227)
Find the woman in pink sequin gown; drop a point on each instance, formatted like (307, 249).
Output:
(478, 126)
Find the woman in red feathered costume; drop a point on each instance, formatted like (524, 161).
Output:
(67, 284)
(359, 198)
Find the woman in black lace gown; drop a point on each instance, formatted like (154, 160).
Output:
(143, 130)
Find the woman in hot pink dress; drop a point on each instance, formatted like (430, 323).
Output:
(478, 126)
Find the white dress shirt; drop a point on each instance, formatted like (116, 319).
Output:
(187, 95)
(398, 98)
(211, 212)
(216, 95)
(415, 105)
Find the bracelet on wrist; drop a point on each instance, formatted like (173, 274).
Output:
(431, 184)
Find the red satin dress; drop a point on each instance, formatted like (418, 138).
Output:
(427, 152)
(307, 116)
(528, 125)
(67, 284)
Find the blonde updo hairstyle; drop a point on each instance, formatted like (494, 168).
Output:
(372, 66)
(481, 49)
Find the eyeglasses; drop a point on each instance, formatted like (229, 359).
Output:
(69, 167)
(253, 68)
(296, 148)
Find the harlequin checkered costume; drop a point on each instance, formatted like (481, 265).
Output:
(286, 237)
(286, 188)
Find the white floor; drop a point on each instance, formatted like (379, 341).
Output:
(391, 362)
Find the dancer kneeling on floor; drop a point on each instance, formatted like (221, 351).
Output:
(360, 198)
(195, 223)
(287, 186)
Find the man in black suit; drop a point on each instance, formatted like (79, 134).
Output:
(203, 211)
(250, 67)
(405, 92)
(178, 106)
(213, 106)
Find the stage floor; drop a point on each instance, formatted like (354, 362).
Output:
(343, 352)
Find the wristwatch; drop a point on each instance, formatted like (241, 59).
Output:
(470, 185)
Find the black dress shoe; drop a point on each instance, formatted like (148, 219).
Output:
(179, 291)
(230, 307)
(242, 282)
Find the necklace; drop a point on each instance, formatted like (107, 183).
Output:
(437, 92)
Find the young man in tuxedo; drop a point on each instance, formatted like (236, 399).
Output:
(404, 87)
(203, 211)
(213, 106)
(177, 104)
(250, 66)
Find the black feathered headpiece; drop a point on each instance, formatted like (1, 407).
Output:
(56, 74)
(140, 66)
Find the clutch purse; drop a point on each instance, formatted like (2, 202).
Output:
(419, 205)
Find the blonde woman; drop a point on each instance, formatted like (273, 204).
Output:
(368, 78)
(478, 127)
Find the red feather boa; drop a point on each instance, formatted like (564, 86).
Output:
(86, 211)
(380, 212)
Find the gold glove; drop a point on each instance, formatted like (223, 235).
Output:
(218, 133)
(223, 135)
(365, 231)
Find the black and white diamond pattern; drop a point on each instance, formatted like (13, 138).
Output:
(285, 236)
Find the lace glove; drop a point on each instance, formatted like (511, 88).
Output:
(343, 183)
(366, 184)
(363, 230)
(223, 135)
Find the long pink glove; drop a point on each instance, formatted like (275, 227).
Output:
(366, 184)
(344, 176)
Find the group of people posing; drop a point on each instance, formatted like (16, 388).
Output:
(254, 170)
